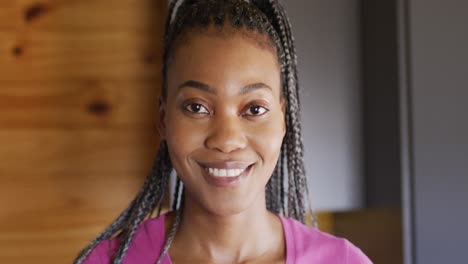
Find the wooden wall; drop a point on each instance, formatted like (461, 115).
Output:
(377, 232)
(79, 83)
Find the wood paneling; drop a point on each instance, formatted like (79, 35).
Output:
(74, 56)
(79, 86)
(378, 232)
(109, 104)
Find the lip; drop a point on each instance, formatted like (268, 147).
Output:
(226, 181)
(226, 164)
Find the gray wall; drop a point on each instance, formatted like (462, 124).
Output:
(381, 123)
(438, 109)
(328, 41)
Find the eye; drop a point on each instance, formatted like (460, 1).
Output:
(196, 108)
(256, 110)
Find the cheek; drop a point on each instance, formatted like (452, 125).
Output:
(182, 136)
(267, 140)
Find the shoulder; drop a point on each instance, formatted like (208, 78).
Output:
(310, 245)
(148, 237)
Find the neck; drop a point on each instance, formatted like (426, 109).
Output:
(230, 238)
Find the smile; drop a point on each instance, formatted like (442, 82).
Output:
(225, 174)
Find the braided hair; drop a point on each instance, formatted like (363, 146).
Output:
(286, 191)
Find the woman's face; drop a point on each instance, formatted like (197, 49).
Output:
(223, 120)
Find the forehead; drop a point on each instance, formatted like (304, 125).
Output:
(220, 59)
(225, 31)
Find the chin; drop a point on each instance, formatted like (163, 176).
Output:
(227, 210)
(242, 196)
(228, 206)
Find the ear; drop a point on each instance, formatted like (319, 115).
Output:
(283, 110)
(161, 119)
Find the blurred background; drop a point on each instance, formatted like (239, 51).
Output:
(384, 92)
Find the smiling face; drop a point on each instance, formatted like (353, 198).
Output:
(223, 120)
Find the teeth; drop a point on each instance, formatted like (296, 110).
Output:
(222, 173)
(225, 172)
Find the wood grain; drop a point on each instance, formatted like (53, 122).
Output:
(52, 56)
(62, 187)
(79, 87)
(80, 104)
(81, 16)
(378, 232)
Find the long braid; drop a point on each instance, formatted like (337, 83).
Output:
(283, 176)
(153, 197)
(123, 222)
(175, 197)
(301, 181)
(269, 193)
(175, 226)
(178, 192)
(279, 186)
(273, 188)
(116, 225)
(171, 236)
(170, 17)
(297, 182)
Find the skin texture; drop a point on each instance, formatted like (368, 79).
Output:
(227, 123)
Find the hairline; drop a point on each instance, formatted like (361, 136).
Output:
(225, 31)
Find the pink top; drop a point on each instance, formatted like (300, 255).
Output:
(304, 245)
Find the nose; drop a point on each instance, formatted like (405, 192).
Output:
(227, 135)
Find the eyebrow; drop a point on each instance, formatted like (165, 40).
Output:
(206, 88)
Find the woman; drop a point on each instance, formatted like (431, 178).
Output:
(229, 122)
